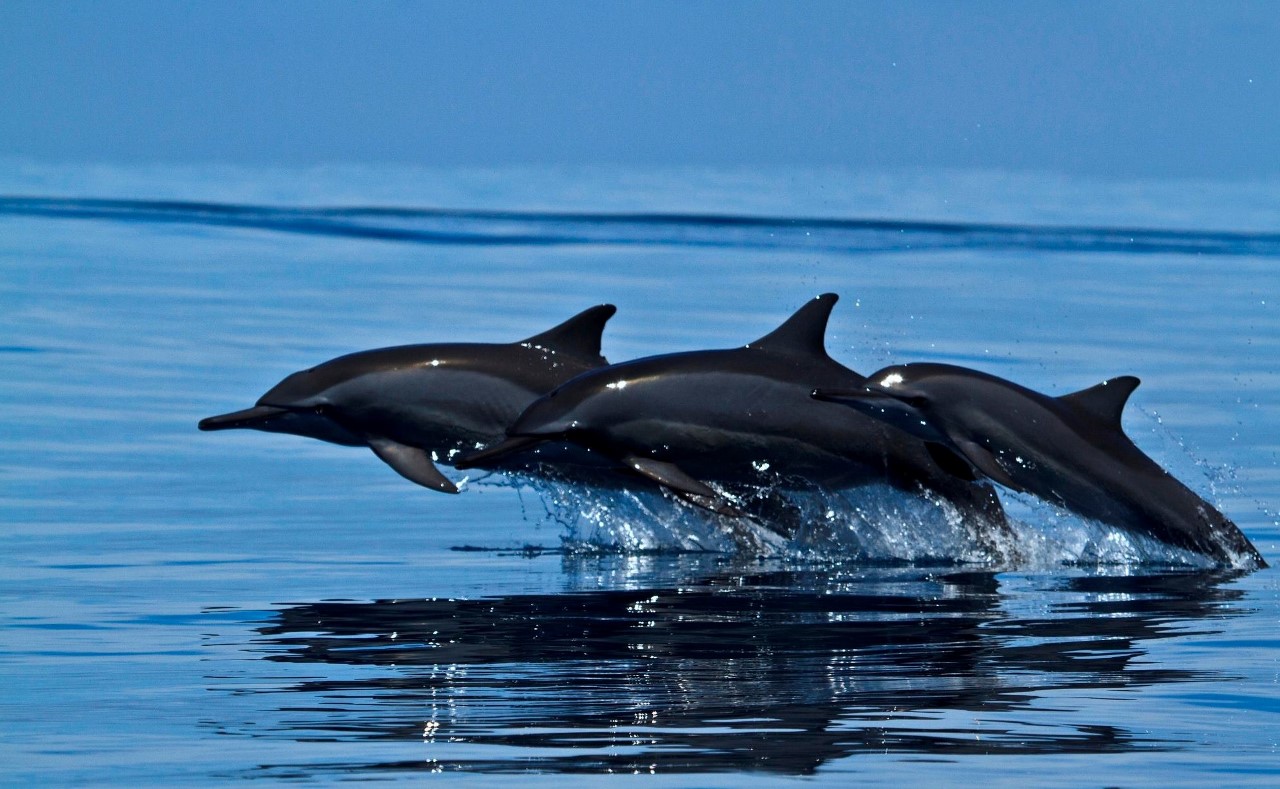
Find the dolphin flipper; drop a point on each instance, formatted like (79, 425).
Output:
(686, 487)
(950, 462)
(412, 463)
(984, 461)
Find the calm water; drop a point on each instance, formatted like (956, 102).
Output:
(191, 607)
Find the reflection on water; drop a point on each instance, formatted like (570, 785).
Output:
(767, 668)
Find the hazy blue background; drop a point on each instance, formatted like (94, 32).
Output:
(1138, 89)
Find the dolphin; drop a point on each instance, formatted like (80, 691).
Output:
(1069, 450)
(741, 415)
(414, 404)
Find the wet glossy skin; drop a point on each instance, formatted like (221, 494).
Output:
(440, 399)
(742, 415)
(724, 416)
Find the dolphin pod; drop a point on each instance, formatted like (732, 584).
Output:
(742, 416)
(777, 412)
(1070, 451)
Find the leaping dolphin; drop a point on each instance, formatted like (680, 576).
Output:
(734, 416)
(412, 404)
(1068, 450)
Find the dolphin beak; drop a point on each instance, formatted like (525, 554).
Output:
(249, 417)
(866, 397)
(869, 401)
(497, 451)
(895, 410)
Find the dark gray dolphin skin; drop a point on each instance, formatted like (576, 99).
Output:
(413, 404)
(1069, 450)
(734, 416)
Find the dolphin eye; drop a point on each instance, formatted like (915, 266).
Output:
(320, 409)
(916, 401)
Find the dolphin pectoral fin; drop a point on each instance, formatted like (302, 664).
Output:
(412, 463)
(717, 504)
(686, 487)
(668, 474)
(984, 461)
(950, 462)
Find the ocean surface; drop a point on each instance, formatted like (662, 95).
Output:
(183, 607)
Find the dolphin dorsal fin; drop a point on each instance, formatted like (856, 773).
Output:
(1106, 400)
(578, 336)
(804, 333)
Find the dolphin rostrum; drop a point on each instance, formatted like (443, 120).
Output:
(1069, 450)
(729, 416)
(415, 404)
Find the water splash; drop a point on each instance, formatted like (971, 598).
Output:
(874, 524)
(1049, 537)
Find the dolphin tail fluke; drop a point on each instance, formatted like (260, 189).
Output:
(412, 463)
(579, 336)
(686, 487)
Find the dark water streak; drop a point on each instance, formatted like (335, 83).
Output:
(549, 228)
(780, 671)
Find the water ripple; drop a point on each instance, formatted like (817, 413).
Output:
(539, 228)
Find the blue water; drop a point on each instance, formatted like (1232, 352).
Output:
(191, 607)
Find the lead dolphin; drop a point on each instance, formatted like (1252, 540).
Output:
(412, 404)
(685, 419)
(1068, 450)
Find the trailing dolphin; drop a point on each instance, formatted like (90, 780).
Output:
(412, 404)
(741, 415)
(1068, 450)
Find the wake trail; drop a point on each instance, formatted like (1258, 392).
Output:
(449, 226)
